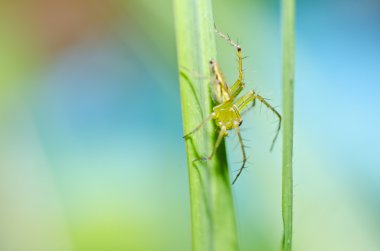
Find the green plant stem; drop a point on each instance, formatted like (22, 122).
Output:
(212, 211)
(288, 22)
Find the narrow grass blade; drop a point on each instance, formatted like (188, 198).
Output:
(212, 211)
(288, 29)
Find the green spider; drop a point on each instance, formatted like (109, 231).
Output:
(227, 113)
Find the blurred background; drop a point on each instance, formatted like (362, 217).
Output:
(91, 149)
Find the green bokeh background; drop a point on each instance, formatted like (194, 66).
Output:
(91, 150)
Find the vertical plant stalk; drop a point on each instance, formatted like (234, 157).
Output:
(288, 29)
(212, 210)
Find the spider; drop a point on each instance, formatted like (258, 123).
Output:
(227, 113)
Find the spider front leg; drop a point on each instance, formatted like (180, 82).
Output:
(238, 86)
(242, 102)
(244, 155)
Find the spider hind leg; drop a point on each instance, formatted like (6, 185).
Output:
(222, 134)
(244, 155)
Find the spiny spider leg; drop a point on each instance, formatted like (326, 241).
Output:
(262, 100)
(249, 108)
(222, 134)
(242, 102)
(244, 155)
(238, 86)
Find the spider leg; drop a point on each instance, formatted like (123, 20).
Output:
(242, 102)
(238, 86)
(199, 126)
(249, 108)
(262, 100)
(227, 38)
(244, 155)
(221, 135)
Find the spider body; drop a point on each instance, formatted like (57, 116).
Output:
(227, 116)
(227, 112)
